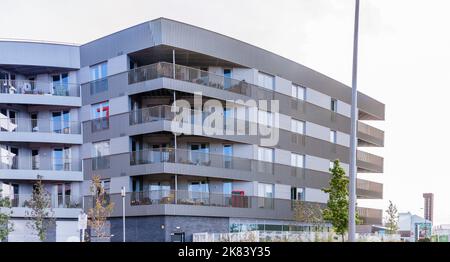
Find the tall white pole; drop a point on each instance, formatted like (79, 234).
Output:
(175, 135)
(123, 194)
(353, 141)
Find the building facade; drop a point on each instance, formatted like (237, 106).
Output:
(413, 228)
(180, 183)
(428, 206)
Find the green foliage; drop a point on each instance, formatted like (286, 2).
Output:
(336, 211)
(6, 226)
(41, 214)
(392, 218)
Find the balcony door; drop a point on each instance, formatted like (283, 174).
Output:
(60, 84)
(228, 156)
(8, 120)
(63, 196)
(61, 159)
(227, 78)
(198, 191)
(199, 153)
(35, 159)
(61, 122)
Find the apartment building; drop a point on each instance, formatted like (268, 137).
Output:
(177, 183)
(40, 135)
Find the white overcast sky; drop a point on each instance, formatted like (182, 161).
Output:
(404, 63)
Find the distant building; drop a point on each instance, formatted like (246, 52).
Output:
(414, 227)
(428, 206)
(442, 233)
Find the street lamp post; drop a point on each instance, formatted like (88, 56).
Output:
(123, 194)
(354, 119)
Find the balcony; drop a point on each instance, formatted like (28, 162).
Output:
(39, 92)
(50, 168)
(196, 158)
(369, 135)
(370, 216)
(187, 203)
(189, 162)
(40, 130)
(99, 124)
(369, 163)
(62, 206)
(23, 200)
(368, 189)
(181, 202)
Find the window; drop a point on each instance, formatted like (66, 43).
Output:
(333, 105)
(298, 92)
(198, 190)
(298, 193)
(99, 81)
(100, 110)
(199, 154)
(265, 118)
(227, 188)
(297, 160)
(101, 148)
(61, 122)
(298, 126)
(333, 136)
(35, 160)
(61, 159)
(227, 156)
(227, 78)
(60, 84)
(100, 116)
(266, 81)
(265, 190)
(106, 184)
(99, 71)
(265, 154)
(34, 122)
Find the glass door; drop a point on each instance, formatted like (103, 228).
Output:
(226, 78)
(34, 122)
(61, 122)
(35, 159)
(61, 84)
(199, 154)
(228, 156)
(198, 191)
(61, 159)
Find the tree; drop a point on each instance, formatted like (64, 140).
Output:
(41, 214)
(6, 226)
(336, 211)
(101, 210)
(392, 218)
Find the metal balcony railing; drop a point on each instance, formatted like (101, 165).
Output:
(40, 125)
(99, 124)
(199, 158)
(40, 163)
(56, 201)
(39, 88)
